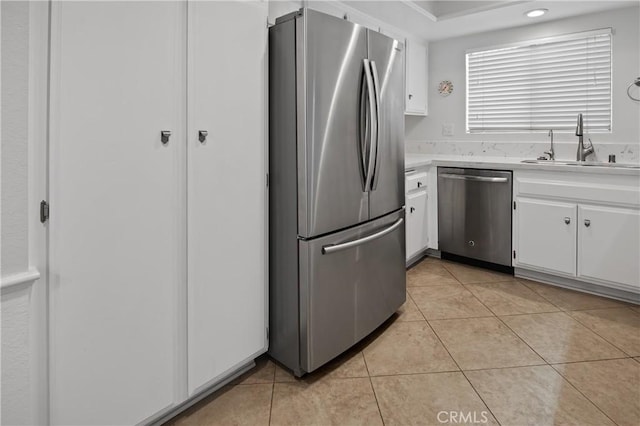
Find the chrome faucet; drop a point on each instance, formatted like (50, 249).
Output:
(551, 153)
(583, 152)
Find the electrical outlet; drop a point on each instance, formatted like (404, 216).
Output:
(447, 129)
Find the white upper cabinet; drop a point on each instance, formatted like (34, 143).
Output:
(416, 78)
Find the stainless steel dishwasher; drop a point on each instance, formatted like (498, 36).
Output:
(474, 214)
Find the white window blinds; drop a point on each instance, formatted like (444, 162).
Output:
(541, 84)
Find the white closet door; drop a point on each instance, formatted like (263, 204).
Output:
(117, 209)
(227, 290)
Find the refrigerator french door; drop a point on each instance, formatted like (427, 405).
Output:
(336, 186)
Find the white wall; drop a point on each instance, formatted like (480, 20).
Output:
(15, 89)
(14, 230)
(23, 304)
(447, 62)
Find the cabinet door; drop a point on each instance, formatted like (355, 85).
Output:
(227, 232)
(545, 235)
(416, 227)
(117, 264)
(609, 245)
(416, 79)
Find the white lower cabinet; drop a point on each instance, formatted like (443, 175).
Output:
(416, 227)
(608, 245)
(580, 226)
(546, 235)
(157, 244)
(416, 196)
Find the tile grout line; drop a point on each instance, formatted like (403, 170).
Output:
(591, 360)
(373, 389)
(273, 391)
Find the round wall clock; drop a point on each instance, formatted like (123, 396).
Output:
(445, 88)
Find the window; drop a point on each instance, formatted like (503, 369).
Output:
(541, 84)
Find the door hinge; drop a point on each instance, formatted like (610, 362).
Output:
(44, 211)
(514, 205)
(514, 254)
(267, 180)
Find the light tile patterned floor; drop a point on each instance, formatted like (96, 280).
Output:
(469, 346)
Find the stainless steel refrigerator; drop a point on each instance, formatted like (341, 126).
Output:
(336, 185)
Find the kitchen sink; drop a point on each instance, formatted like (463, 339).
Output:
(582, 163)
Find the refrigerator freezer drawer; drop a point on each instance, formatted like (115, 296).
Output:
(350, 283)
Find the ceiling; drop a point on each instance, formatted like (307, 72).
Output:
(435, 20)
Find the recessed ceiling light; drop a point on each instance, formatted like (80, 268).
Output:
(536, 12)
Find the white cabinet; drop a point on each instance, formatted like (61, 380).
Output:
(608, 247)
(116, 228)
(226, 196)
(416, 229)
(546, 235)
(415, 78)
(157, 248)
(582, 227)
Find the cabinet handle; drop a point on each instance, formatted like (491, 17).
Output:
(412, 209)
(164, 136)
(410, 96)
(419, 184)
(587, 223)
(567, 220)
(202, 135)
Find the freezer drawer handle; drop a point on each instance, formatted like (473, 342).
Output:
(474, 178)
(332, 248)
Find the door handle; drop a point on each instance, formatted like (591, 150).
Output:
(474, 178)
(376, 91)
(587, 223)
(567, 220)
(332, 248)
(202, 135)
(373, 117)
(164, 136)
(412, 209)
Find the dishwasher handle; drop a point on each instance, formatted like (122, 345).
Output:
(474, 178)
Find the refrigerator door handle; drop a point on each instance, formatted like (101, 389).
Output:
(376, 88)
(373, 119)
(332, 248)
(364, 129)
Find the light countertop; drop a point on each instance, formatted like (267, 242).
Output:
(507, 163)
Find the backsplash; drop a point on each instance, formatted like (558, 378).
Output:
(625, 153)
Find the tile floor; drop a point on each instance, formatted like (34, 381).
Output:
(469, 346)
